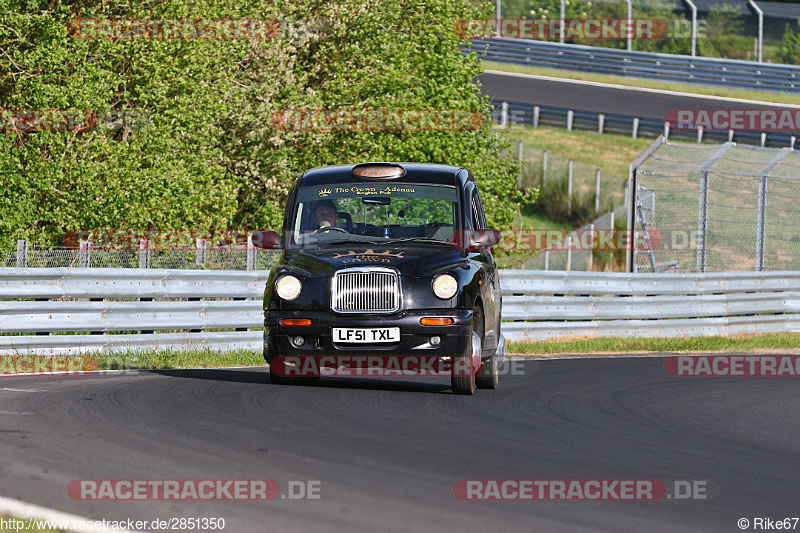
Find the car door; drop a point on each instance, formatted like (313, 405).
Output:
(491, 290)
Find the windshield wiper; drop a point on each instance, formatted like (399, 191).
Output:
(345, 241)
(414, 239)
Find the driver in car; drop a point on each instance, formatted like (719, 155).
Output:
(325, 214)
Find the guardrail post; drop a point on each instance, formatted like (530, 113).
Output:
(569, 188)
(591, 247)
(635, 126)
(200, 252)
(144, 253)
(570, 119)
(544, 170)
(547, 259)
(601, 122)
(83, 255)
(22, 253)
(251, 254)
(536, 111)
(569, 252)
(504, 114)
(597, 194)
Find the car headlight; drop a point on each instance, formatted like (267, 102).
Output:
(288, 287)
(445, 286)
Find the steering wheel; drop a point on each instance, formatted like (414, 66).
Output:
(329, 228)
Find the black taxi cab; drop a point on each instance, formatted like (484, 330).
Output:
(384, 259)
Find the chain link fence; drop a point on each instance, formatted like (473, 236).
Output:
(714, 208)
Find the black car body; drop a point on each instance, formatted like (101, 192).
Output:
(369, 277)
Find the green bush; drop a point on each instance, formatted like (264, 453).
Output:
(211, 156)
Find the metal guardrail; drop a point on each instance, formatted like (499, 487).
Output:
(647, 305)
(513, 113)
(185, 310)
(665, 67)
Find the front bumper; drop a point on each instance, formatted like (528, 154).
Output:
(414, 337)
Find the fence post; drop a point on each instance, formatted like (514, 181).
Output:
(504, 114)
(763, 139)
(547, 259)
(601, 122)
(762, 205)
(699, 134)
(544, 170)
(591, 247)
(635, 126)
(536, 111)
(570, 119)
(22, 253)
(251, 253)
(702, 217)
(792, 140)
(200, 252)
(666, 130)
(730, 136)
(569, 188)
(83, 254)
(144, 253)
(597, 194)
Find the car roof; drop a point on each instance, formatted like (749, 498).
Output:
(415, 173)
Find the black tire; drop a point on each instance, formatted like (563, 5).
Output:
(464, 382)
(488, 377)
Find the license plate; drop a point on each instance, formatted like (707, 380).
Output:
(366, 335)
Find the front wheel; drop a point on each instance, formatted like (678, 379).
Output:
(462, 378)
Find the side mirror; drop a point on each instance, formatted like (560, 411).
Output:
(475, 240)
(268, 240)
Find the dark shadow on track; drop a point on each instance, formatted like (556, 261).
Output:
(262, 376)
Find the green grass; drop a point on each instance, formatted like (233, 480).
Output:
(612, 154)
(171, 359)
(760, 96)
(740, 343)
(166, 359)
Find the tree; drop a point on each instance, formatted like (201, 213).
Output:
(789, 49)
(210, 156)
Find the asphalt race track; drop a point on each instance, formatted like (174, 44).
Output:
(387, 453)
(598, 98)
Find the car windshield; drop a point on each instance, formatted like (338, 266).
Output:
(373, 213)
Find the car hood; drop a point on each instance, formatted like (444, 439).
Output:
(409, 260)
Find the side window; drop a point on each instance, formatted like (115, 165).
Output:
(478, 219)
(481, 214)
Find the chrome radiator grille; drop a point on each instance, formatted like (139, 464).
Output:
(366, 290)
